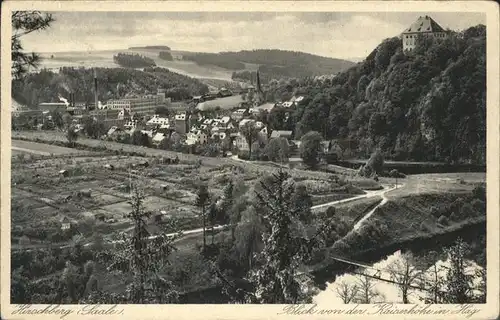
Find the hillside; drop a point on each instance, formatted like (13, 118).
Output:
(151, 48)
(272, 64)
(429, 104)
(45, 86)
(128, 60)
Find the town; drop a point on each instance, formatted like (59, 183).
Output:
(134, 179)
(201, 128)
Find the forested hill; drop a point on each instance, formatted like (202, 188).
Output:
(273, 63)
(45, 86)
(429, 104)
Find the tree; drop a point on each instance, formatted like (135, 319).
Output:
(140, 139)
(202, 198)
(23, 23)
(20, 287)
(346, 291)
(434, 281)
(459, 284)
(286, 244)
(71, 135)
(57, 119)
(212, 218)
(226, 205)
(303, 202)
(142, 257)
(481, 286)
(67, 120)
(310, 148)
(93, 128)
(367, 293)
(375, 164)
(404, 272)
(248, 236)
(277, 150)
(163, 111)
(250, 132)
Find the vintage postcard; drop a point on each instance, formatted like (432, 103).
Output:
(249, 160)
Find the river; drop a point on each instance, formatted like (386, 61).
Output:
(387, 292)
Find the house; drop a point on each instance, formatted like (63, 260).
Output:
(157, 121)
(65, 223)
(123, 114)
(129, 125)
(240, 142)
(149, 133)
(196, 137)
(266, 106)
(158, 138)
(424, 26)
(238, 114)
(112, 130)
(297, 99)
(208, 122)
(181, 123)
(254, 111)
(219, 135)
(226, 123)
(223, 92)
(64, 173)
(326, 146)
(288, 104)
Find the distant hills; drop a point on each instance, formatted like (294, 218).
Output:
(151, 48)
(271, 63)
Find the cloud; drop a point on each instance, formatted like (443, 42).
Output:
(335, 34)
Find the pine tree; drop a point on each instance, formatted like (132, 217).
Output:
(144, 257)
(458, 281)
(23, 23)
(202, 198)
(285, 244)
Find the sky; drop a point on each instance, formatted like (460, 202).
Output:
(345, 35)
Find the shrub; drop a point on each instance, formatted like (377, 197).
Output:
(435, 211)
(244, 155)
(479, 192)
(467, 210)
(424, 227)
(443, 220)
(396, 174)
(455, 216)
(479, 206)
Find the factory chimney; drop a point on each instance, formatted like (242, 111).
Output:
(95, 90)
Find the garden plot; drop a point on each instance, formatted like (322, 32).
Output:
(151, 203)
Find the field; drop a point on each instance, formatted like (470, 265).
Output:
(27, 147)
(227, 103)
(53, 137)
(93, 196)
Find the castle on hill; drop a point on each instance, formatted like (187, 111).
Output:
(424, 26)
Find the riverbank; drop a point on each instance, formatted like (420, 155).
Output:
(470, 230)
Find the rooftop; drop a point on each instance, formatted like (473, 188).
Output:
(424, 24)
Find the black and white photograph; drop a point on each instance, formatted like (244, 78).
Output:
(247, 157)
